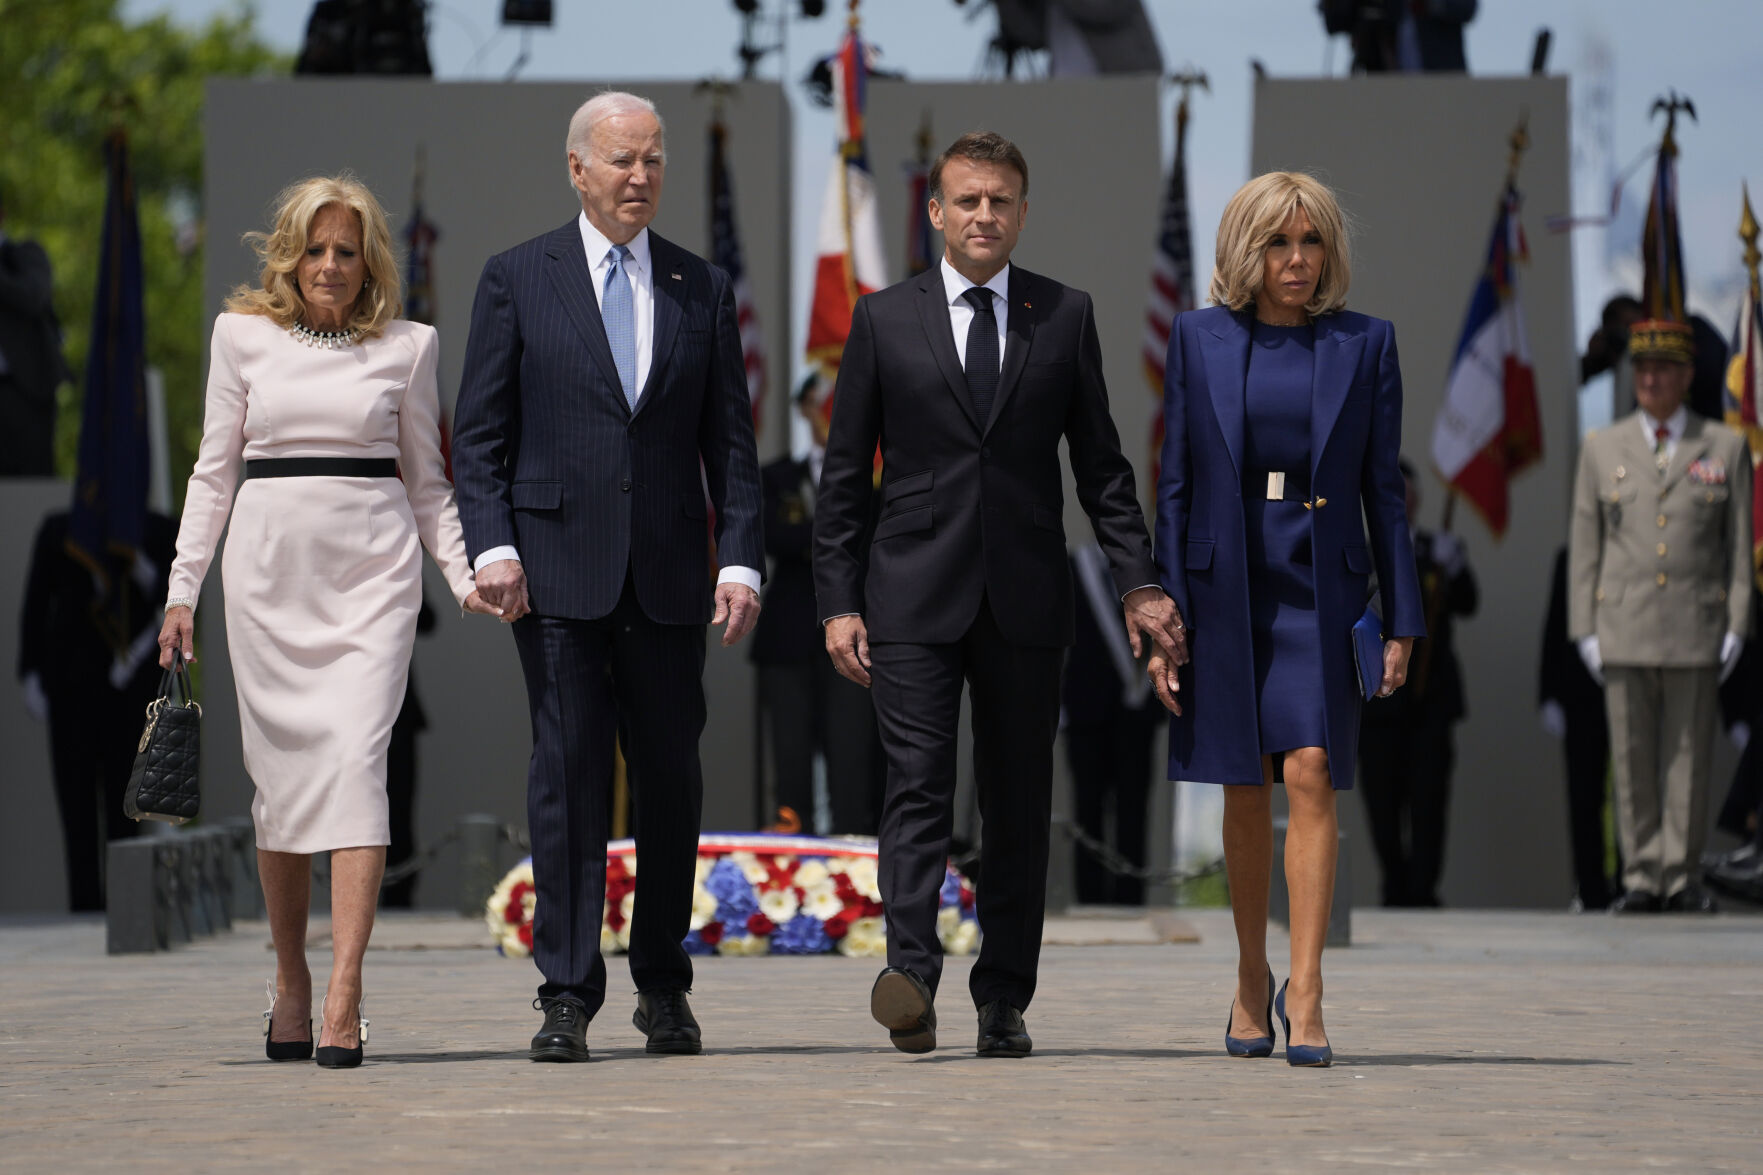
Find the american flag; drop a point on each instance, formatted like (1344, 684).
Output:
(725, 251)
(420, 235)
(1172, 279)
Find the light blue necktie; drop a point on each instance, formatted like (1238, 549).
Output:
(619, 313)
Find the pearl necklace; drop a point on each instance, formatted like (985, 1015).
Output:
(327, 340)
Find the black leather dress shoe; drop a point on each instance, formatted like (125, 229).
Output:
(565, 1034)
(1692, 899)
(1636, 901)
(1002, 1032)
(666, 1018)
(901, 1003)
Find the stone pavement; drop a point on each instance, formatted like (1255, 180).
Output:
(1489, 1041)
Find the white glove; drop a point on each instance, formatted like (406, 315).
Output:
(1730, 647)
(1448, 552)
(1553, 718)
(1594, 660)
(36, 702)
(1740, 734)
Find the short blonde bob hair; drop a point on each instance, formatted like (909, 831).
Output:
(1254, 215)
(277, 295)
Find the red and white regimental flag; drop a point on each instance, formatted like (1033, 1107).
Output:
(1488, 428)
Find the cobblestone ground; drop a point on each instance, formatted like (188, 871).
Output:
(1466, 1042)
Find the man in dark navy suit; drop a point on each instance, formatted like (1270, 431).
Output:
(603, 370)
(968, 376)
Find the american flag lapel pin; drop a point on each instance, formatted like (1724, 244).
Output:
(1028, 305)
(676, 277)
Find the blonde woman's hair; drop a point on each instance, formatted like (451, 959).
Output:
(277, 294)
(1254, 215)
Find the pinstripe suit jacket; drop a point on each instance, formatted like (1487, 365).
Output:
(549, 458)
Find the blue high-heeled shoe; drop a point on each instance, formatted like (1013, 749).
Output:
(1306, 1055)
(1251, 1046)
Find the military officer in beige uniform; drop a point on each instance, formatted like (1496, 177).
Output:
(1659, 603)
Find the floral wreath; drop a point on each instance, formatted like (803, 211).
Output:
(754, 894)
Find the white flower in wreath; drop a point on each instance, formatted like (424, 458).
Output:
(811, 874)
(779, 905)
(627, 905)
(630, 863)
(744, 945)
(608, 940)
(867, 939)
(963, 939)
(623, 937)
(702, 869)
(703, 908)
(862, 872)
(948, 918)
(822, 901)
(751, 869)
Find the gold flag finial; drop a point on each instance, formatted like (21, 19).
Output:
(1748, 234)
(1671, 104)
(1518, 142)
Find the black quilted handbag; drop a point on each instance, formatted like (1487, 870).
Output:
(163, 784)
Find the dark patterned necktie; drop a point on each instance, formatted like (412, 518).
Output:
(982, 353)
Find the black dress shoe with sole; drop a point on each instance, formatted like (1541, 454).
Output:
(666, 1019)
(1002, 1032)
(1692, 899)
(901, 1003)
(565, 1034)
(1636, 901)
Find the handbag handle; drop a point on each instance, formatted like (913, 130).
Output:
(176, 681)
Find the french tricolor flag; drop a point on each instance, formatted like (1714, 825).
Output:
(850, 245)
(1488, 427)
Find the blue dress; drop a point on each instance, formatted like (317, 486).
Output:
(1282, 574)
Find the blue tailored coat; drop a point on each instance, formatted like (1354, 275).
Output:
(1201, 544)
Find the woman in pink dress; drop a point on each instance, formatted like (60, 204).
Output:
(322, 403)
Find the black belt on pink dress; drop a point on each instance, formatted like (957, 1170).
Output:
(321, 467)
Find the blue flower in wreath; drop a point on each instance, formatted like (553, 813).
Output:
(801, 935)
(735, 899)
(695, 944)
(950, 894)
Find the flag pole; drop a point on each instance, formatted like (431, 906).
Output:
(1748, 234)
(1517, 143)
(1432, 590)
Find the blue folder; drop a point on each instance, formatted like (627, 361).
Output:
(1368, 647)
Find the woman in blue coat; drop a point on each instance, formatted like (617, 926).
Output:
(1283, 423)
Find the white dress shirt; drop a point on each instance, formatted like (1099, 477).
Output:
(1674, 425)
(961, 310)
(641, 274)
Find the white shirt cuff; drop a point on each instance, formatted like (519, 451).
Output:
(494, 555)
(1141, 587)
(745, 576)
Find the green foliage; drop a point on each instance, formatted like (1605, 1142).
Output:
(73, 69)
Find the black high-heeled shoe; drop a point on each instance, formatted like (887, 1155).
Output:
(1251, 1046)
(284, 1050)
(331, 1056)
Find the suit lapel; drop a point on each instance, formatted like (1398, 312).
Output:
(668, 279)
(1226, 352)
(1018, 335)
(933, 315)
(1336, 363)
(568, 270)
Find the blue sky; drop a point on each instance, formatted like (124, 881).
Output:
(1628, 50)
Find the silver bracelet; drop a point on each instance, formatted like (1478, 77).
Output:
(180, 602)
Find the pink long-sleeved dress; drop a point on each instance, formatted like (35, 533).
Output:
(322, 574)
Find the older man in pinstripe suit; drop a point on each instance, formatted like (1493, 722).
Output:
(603, 369)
